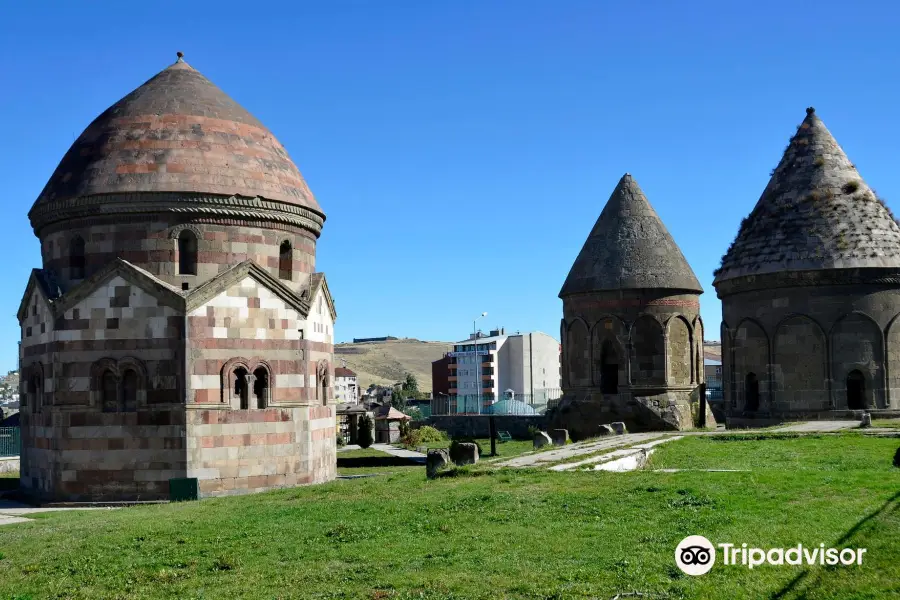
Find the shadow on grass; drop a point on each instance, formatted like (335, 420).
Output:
(800, 586)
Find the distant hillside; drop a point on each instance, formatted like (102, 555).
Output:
(388, 362)
(713, 351)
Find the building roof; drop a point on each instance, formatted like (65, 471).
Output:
(629, 248)
(343, 372)
(178, 132)
(392, 414)
(815, 213)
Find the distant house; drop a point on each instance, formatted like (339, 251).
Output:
(346, 386)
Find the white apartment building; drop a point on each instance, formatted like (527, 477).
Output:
(528, 364)
(346, 386)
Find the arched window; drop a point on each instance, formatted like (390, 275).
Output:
(261, 387)
(108, 391)
(856, 390)
(187, 253)
(751, 393)
(285, 261)
(241, 387)
(129, 391)
(76, 258)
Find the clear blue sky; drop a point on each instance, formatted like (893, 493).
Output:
(462, 150)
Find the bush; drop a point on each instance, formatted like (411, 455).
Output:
(340, 441)
(412, 438)
(429, 434)
(364, 437)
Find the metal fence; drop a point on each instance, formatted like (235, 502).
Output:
(10, 441)
(517, 404)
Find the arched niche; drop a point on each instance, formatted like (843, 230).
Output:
(750, 346)
(893, 362)
(680, 354)
(578, 354)
(609, 365)
(799, 367)
(648, 352)
(857, 345)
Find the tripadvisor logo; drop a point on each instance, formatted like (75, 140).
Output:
(696, 555)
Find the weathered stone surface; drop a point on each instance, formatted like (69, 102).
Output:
(606, 430)
(619, 428)
(178, 132)
(541, 439)
(435, 460)
(629, 248)
(465, 453)
(559, 436)
(866, 420)
(810, 293)
(816, 213)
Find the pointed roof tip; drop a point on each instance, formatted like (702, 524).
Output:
(805, 206)
(180, 58)
(629, 248)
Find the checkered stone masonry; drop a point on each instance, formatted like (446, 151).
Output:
(291, 442)
(72, 450)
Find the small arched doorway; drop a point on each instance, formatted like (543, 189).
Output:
(856, 390)
(751, 393)
(609, 368)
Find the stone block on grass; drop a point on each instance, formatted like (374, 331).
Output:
(560, 437)
(619, 428)
(465, 453)
(436, 460)
(541, 439)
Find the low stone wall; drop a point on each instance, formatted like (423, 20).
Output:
(9, 464)
(478, 426)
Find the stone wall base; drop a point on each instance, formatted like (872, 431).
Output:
(582, 412)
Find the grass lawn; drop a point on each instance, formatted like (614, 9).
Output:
(362, 453)
(501, 534)
(504, 449)
(892, 423)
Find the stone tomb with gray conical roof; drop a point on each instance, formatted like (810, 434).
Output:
(631, 329)
(810, 292)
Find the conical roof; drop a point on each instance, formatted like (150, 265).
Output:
(815, 213)
(178, 132)
(629, 248)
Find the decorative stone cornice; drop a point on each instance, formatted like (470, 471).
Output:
(200, 205)
(791, 279)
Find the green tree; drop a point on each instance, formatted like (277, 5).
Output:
(364, 435)
(411, 385)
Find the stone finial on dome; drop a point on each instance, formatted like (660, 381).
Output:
(810, 110)
(629, 248)
(180, 56)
